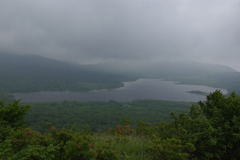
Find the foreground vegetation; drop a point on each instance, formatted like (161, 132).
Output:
(210, 130)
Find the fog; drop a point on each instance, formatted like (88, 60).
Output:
(93, 31)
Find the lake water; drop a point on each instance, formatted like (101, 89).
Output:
(140, 89)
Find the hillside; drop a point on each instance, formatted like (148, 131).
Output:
(213, 75)
(27, 73)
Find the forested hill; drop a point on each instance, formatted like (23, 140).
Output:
(213, 75)
(26, 73)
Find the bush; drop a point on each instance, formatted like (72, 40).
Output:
(170, 149)
(212, 126)
(12, 117)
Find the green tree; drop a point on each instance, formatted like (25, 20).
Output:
(12, 117)
(223, 113)
(212, 126)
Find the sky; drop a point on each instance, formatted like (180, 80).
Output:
(94, 31)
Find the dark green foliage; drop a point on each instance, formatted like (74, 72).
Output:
(143, 128)
(223, 114)
(209, 131)
(7, 97)
(13, 114)
(212, 126)
(100, 116)
(171, 149)
(195, 129)
(26, 144)
(124, 121)
(12, 117)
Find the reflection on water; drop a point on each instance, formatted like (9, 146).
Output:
(140, 89)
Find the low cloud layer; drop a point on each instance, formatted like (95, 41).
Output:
(91, 31)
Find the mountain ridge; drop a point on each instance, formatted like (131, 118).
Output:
(27, 73)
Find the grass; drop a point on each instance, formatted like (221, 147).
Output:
(128, 147)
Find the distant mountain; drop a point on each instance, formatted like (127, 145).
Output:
(162, 69)
(186, 68)
(213, 75)
(25, 73)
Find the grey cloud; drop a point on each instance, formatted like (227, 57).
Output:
(93, 30)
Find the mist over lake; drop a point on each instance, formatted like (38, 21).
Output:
(140, 89)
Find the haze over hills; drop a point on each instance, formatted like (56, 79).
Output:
(27, 73)
(157, 69)
(188, 72)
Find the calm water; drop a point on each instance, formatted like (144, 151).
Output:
(140, 89)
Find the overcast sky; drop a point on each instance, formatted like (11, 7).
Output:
(90, 31)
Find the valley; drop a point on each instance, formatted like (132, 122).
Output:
(24, 74)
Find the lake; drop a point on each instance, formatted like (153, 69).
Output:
(140, 89)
